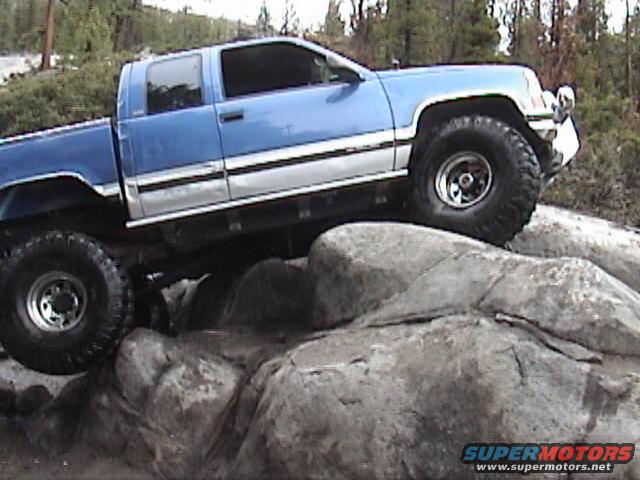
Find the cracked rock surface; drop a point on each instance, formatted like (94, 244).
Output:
(415, 343)
(556, 232)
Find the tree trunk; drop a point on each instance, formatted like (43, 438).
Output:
(537, 10)
(454, 34)
(360, 28)
(627, 46)
(47, 38)
(125, 28)
(407, 34)
(516, 29)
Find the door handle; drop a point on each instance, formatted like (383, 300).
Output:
(232, 116)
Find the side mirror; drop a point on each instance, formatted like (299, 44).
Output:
(342, 70)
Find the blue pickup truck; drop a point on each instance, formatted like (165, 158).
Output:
(252, 148)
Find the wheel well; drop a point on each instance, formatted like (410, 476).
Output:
(31, 199)
(62, 203)
(498, 107)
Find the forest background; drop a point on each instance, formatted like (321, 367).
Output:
(565, 41)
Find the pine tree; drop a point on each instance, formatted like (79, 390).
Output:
(333, 24)
(124, 20)
(476, 33)
(415, 31)
(84, 32)
(264, 27)
(7, 27)
(290, 21)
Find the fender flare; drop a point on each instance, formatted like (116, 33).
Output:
(411, 131)
(39, 196)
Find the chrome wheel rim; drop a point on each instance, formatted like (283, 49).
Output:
(57, 302)
(464, 180)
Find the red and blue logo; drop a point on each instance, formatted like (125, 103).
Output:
(525, 458)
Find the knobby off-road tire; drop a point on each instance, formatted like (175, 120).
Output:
(504, 190)
(65, 303)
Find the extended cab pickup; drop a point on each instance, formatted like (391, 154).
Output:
(264, 142)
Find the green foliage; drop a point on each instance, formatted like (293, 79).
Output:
(334, 25)
(572, 44)
(20, 25)
(476, 33)
(162, 31)
(606, 178)
(52, 99)
(84, 33)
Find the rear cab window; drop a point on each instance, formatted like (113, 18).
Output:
(175, 84)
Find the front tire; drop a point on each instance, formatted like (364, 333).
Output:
(478, 176)
(65, 303)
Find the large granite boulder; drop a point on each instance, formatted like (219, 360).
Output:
(427, 341)
(556, 232)
(269, 295)
(164, 407)
(402, 401)
(358, 266)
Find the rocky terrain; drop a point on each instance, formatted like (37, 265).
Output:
(380, 356)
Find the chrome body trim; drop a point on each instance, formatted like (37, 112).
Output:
(110, 190)
(182, 188)
(53, 131)
(132, 196)
(185, 195)
(343, 145)
(204, 185)
(269, 197)
(403, 155)
(155, 180)
(302, 172)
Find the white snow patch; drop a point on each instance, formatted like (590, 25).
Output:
(16, 64)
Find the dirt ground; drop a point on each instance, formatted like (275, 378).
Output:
(20, 460)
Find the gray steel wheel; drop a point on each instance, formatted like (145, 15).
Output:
(65, 303)
(464, 180)
(57, 302)
(476, 175)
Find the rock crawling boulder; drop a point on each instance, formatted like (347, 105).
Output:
(429, 341)
(555, 232)
(467, 344)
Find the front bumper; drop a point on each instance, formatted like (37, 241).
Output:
(567, 142)
(557, 129)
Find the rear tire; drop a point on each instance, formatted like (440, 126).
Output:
(65, 303)
(478, 176)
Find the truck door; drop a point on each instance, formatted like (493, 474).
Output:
(176, 152)
(288, 122)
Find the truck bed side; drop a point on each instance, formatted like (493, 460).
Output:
(81, 154)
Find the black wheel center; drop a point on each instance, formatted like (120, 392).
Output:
(63, 303)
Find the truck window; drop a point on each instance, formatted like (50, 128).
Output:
(174, 85)
(267, 68)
